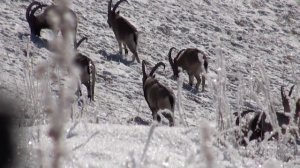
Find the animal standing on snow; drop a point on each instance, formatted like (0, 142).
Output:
(53, 17)
(158, 96)
(124, 31)
(192, 60)
(88, 71)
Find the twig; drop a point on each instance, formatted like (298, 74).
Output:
(150, 134)
(84, 143)
(70, 131)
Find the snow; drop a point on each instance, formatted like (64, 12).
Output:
(253, 35)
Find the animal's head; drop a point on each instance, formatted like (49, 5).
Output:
(35, 28)
(111, 13)
(151, 74)
(173, 63)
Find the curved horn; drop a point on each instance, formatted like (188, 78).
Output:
(155, 67)
(37, 8)
(29, 9)
(291, 90)
(143, 68)
(179, 53)
(80, 41)
(117, 4)
(109, 7)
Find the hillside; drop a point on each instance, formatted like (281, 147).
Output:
(257, 40)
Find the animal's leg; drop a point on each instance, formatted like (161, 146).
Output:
(198, 81)
(191, 79)
(203, 82)
(169, 116)
(93, 89)
(155, 115)
(120, 47)
(125, 48)
(88, 87)
(133, 48)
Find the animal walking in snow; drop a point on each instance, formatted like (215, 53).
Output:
(193, 61)
(88, 71)
(125, 33)
(157, 95)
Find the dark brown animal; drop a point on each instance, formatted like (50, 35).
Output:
(258, 126)
(88, 71)
(193, 61)
(158, 96)
(53, 17)
(124, 31)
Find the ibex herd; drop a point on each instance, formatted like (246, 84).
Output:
(157, 96)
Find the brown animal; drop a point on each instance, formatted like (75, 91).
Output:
(157, 95)
(124, 31)
(258, 126)
(88, 71)
(53, 17)
(193, 61)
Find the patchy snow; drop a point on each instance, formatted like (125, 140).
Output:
(254, 35)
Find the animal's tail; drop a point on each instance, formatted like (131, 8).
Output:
(135, 38)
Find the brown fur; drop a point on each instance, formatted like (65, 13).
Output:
(188, 60)
(88, 72)
(158, 97)
(125, 33)
(257, 127)
(45, 20)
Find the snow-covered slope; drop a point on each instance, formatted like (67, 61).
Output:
(251, 33)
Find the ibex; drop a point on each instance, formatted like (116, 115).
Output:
(124, 31)
(157, 95)
(257, 127)
(88, 71)
(54, 17)
(192, 60)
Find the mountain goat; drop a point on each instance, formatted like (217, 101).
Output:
(193, 61)
(88, 71)
(157, 95)
(258, 125)
(124, 31)
(53, 17)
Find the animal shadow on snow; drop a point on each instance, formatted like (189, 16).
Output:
(138, 121)
(116, 57)
(37, 41)
(192, 89)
